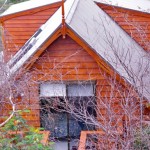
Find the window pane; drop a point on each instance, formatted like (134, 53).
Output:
(56, 123)
(52, 90)
(81, 90)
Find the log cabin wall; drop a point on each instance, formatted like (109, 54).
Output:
(136, 24)
(64, 60)
(18, 28)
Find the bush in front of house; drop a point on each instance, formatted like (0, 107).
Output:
(17, 135)
(142, 139)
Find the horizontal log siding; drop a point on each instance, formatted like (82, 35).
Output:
(136, 24)
(19, 29)
(65, 60)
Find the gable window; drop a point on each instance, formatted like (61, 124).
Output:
(62, 106)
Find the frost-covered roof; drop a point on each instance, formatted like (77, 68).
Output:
(27, 6)
(138, 5)
(115, 46)
(94, 26)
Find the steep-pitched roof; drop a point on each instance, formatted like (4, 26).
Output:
(28, 5)
(113, 44)
(138, 5)
(135, 23)
(102, 34)
(38, 39)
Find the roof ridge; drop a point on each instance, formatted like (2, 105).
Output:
(112, 44)
(102, 34)
(72, 11)
(44, 32)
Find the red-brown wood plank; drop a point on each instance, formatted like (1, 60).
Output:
(20, 28)
(136, 24)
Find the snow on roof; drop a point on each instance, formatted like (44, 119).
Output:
(138, 5)
(94, 27)
(27, 6)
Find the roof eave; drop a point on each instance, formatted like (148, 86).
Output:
(137, 9)
(26, 12)
(44, 33)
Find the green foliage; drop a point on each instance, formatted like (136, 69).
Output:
(142, 139)
(24, 137)
(16, 1)
(4, 4)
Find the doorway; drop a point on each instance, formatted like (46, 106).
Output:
(65, 125)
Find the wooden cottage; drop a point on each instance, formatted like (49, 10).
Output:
(81, 67)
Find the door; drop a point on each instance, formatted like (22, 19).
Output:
(65, 126)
